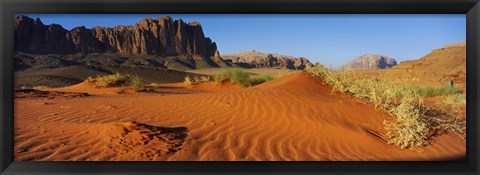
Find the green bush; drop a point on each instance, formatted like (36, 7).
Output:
(236, 76)
(263, 78)
(430, 91)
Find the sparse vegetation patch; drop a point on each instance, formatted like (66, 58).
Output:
(236, 76)
(456, 99)
(116, 79)
(431, 91)
(136, 83)
(196, 79)
(187, 81)
(263, 78)
(240, 77)
(413, 124)
(40, 87)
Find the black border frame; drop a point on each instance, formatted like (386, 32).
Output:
(10, 7)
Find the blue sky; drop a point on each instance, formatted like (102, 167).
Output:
(329, 39)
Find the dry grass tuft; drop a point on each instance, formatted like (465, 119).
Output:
(196, 79)
(111, 80)
(409, 129)
(187, 81)
(116, 79)
(40, 87)
(456, 99)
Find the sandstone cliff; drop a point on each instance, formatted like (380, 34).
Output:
(370, 61)
(255, 59)
(162, 37)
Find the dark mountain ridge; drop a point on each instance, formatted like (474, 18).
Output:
(174, 43)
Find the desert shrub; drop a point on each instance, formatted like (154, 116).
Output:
(201, 79)
(236, 76)
(338, 80)
(196, 79)
(90, 79)
(381, 94)
(187, 81)
(263, 78)
(458, 99)
(453, 118)
(409, 128)
(449, 117)
(412, 126)
(108, 80)
(116, 79)
(430, 91)
(135, 83)
(40, 87)
(266, 77)
(204, 78)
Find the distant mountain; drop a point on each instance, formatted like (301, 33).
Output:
(255, 59)
(173, 43)
(370, 61)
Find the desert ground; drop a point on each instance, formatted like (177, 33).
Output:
(294, 117)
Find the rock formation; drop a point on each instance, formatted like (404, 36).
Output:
(370, 61)
(162, 36)
(255, 59)
(440, 65)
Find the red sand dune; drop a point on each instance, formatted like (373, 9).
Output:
(88, 88)
(295, 117)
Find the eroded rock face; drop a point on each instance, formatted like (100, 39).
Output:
(162, 36)
(255, 59)
(370, 61)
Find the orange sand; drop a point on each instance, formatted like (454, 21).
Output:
(295, 117)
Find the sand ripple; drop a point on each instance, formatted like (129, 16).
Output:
(295, 117)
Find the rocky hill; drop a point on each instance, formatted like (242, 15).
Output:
(370, 61)
(441, 65)
(433, 69)
(176, 42)
(255, 59)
